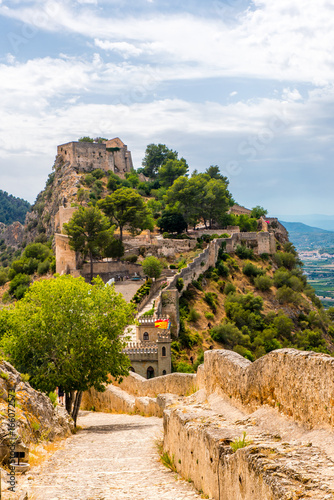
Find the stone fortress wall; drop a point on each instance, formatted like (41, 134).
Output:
(288, 390)
(86, 156)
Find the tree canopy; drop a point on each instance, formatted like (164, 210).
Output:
(155, 156)
(172, 222)
(152, 267)
(12, 209)
(90, 233)
(258, 212)
(170, 170)
(199, 197)
(68, 333)
(125, 207)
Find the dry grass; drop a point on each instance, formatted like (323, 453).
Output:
(39, 453)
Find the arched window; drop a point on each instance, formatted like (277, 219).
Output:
(146, 336)
(164, 372)
(164, 351)
(150, 372)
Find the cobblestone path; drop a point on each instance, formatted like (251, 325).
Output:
(113, 457)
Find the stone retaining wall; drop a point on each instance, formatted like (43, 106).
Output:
(300, 384)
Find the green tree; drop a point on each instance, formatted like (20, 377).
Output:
(155, 156)
(258, 212)
(170, 170)
(126, 207)
(66, 332)
(172, 222)
(89, 233)
(214, 173)
(85, 139)
(152, 267)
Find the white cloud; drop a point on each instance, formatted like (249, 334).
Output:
(124, 48)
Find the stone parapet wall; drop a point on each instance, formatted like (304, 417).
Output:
(174, 383)
(300, 384)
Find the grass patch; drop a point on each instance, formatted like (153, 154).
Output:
(165, 459)
(240, 443)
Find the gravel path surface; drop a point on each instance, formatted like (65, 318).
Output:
(113, 457)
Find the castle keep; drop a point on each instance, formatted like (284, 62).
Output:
(86, 156)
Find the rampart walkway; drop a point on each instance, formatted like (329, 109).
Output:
(114, 457)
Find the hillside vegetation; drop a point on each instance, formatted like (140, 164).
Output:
(12, 209)
(251, 305)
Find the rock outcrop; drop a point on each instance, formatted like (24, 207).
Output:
(35, 416)
(13, 235)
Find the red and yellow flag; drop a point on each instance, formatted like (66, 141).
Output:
(161, 323)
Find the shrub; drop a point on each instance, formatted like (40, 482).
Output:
(286, 294)
(246, 353)
(184, 367)
(172, 266)
(229, 288)
(179, 284)
(281, 277)
(226, 333)
(53, 397)
(43, 267)
(243, 252)
(251, 270)
(210, 298)
(152, 267)
(286, 259)
(223, 270)
(19, 285)
(197, 284)
(263, 283)
(188, 338)
(193, 315)
(283, 325)
(3, 276)
(130, 258)
(209, 315)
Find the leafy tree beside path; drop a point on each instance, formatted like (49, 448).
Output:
(68, 333)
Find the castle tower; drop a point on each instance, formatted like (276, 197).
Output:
(164, 354)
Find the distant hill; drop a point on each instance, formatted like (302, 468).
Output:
(320, 221)
(306, 237)
(12, 209)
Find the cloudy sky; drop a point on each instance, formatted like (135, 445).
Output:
(246, 85)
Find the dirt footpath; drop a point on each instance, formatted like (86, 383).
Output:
(113, 457)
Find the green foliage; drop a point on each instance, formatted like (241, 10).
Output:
(115, 249)
(263, 283)
(53, 397)
(246, 353)
(229, 288)
(89, 233)
(211, 299)
(130, 258)
(251, 270)
(286, 259)
(12, 209)
(240, 443)
(67, 333)
(142, 291)
(184, 367)
(258, 212)
(227, 333)
(179, 284)
(209, 315)
(243, 252)
(285, 294)
(43, 267)
(170, 170)
(193, 315)
(125, 207)
(3, 276)
(172, 222)
(152, 267)
(222, 269)
(86, 139)
(155, 156)
(19, 285)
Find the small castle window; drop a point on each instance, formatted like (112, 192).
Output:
(150, 372)
(66, 152)
(164, 372)
(146, 336)
(164, 351)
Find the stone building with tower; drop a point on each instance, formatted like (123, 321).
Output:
(150, 354)
(111, 155)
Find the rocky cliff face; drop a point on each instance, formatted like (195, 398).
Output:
(35, 416)
(13, 235)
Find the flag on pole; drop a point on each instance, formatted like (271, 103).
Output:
(161, 323)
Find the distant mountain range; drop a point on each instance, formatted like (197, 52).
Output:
(12, 209)
(314, 220)
(306, 237)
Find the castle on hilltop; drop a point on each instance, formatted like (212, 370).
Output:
(86, 156)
